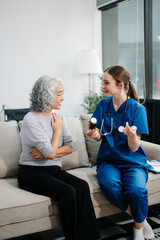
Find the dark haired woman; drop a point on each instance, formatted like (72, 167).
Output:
(45, 139)
(122, 168)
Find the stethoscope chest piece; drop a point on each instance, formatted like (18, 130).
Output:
(121, 128)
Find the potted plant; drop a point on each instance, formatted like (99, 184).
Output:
(91, 100)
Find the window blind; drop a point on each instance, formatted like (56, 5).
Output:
(105, 4)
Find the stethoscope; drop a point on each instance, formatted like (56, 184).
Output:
(121, 127)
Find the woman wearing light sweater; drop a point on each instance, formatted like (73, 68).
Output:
(45, 139)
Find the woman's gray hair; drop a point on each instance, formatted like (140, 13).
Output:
(43, 93)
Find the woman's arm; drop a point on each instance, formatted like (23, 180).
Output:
(63, 151)
(133, 137)
(56, 122)
(134, 142)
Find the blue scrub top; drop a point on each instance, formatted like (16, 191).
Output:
(114, 147)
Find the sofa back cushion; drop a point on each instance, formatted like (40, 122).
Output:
(152, 150)
(10, 148)
(79, 156)
(92, 145)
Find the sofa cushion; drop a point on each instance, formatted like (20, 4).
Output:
(92, 145)
(17, 205)
(79, 156)
(98, 198)
(28, 227)
(10, 148)
(89, 174)
(152, 150)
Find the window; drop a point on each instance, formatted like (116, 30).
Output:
(131, 38)
(156, 49)
(123, 40)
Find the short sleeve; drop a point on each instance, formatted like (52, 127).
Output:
(140, 120)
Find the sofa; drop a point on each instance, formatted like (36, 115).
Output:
(23, 212)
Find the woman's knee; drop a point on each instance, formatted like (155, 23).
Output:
(110, 186)
(69, 193)
(110, 182)
(83, 186)
(138, 193)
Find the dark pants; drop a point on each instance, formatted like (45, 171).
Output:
(75, 205)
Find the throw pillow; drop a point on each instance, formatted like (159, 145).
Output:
(92, 145)
(79, 156)
(10, 148)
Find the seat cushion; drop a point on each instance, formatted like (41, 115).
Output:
(89, 175)
(98, 198)
(10, 148)
(153, 184)
(17, 205)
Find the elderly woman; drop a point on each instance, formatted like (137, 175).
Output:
(45, 139)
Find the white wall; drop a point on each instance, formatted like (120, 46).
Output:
(46, 37)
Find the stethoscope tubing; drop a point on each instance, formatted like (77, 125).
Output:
(122, 124)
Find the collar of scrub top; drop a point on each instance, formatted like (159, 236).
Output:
(121, 127)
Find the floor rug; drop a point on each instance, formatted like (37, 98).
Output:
(115, 227)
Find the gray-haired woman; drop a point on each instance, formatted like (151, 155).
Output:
(45, 139)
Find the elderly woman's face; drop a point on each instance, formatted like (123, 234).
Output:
(58, 98)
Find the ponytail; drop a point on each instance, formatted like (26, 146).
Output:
(120, 74)
(132, 92)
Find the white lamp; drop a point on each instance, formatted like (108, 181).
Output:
(89, 64)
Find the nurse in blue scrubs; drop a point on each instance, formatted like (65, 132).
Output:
(122, 168)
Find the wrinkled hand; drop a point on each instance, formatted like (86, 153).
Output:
(129, 131)
(56, 122)
(35, 153)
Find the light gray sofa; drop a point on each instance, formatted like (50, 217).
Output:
(22, 212)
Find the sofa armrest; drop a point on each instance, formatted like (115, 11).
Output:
(152, 150)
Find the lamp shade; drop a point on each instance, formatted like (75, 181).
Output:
(89, 62)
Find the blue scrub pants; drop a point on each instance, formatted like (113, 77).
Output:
(124, 187)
